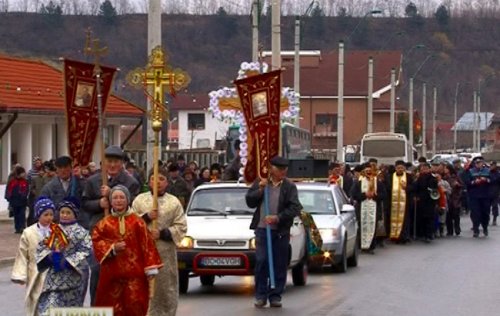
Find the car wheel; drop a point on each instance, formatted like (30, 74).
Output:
(183, 281)
(341, 266)
(352, 261)
(207, 280)
(299, 273)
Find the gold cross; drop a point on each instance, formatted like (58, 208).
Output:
(158, 75)
(92, 49)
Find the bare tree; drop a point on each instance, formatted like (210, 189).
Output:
(4, 5)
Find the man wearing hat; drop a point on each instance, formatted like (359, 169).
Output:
(65, 185)
(478, 188)
(95, 197)
(284, 205)
(177, 186)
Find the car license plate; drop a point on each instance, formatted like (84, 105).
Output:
(220, 261)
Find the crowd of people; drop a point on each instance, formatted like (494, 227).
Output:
(408, 202)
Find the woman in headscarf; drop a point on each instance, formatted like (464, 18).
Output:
(64, 255)
(127, 255)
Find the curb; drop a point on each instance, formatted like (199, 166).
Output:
(7, 262)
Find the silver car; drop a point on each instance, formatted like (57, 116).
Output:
(336, 221)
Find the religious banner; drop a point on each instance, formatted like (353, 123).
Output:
(80, 95)
(260, 97)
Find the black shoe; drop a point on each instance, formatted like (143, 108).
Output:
(494, 222)
(485, 232)
(476, 235)
(259, 303)
(275, 303)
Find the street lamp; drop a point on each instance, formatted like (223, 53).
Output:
(372, 12)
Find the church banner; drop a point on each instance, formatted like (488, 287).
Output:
(260, 97)
(82, 116)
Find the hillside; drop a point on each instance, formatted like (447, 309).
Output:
(211, 48)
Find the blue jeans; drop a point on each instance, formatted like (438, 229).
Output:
(19, 218)
(280, 244)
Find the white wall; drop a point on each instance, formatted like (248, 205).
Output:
(213, 128)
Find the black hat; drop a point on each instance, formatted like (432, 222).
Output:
(422, 159)
(374, 160)
(63, 161)
(475, 159)
(180, 158)
(400, 163)
(173, 167)
(113, 151)
(358, 168)
(279, 162)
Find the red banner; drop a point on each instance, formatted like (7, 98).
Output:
(260, 97)
(82, 116)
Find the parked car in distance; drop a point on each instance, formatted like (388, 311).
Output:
(219, 241)
(336, 220)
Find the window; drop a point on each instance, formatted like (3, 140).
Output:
(196, 121)
(327, 119)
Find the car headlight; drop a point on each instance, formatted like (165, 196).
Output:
(186, 243)
(328, 233)
(252, 244)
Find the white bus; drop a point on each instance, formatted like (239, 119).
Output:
(387, 148)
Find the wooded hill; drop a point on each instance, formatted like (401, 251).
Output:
(211, 48)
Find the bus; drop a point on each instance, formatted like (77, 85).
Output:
(295, 141)
(387, 148)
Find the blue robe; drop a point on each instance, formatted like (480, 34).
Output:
(65, 288)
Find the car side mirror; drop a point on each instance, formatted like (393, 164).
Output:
(347, 208)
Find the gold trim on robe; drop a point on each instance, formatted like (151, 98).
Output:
(368, 214)
(398, 205)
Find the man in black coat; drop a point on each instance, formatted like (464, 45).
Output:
(65, 185)
(426, 192)
(95, 197)
(283, 206)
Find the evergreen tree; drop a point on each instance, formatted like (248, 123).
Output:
(52, 13)
(411, 10)
(108, 12)
(442, 16)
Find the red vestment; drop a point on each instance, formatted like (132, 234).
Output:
(123, 283)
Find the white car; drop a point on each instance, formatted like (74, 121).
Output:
(219, 241)
(336, 221)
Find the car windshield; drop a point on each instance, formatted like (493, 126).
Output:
(219, 201)
(317, 201)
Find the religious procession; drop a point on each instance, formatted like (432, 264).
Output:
(289, 185)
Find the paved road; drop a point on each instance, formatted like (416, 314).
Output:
(452, 276)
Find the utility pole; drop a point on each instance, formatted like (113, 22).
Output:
(434, 116)
(392, 123)
(478, 142)
(154, 40)
(424, 120)
(296, 61)
(276, 34)
(370, 96)
(410, 115)
(340, 105)
(455, 106)
(474, 121)
(255, 31)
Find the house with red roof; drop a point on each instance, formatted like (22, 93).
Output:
(32, 112)
(319, 87)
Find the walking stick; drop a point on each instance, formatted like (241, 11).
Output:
(270, 261)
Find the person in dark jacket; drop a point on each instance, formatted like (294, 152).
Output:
(478, 188)
(426, 192)
(17, 195)
(232, 171)
(494, 191)
(95, 197)
(65, 185)
(177, 186)
(283, 205)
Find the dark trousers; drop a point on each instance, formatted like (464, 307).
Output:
(480, 212)
(19, 218)
(453, 221)
(94, 277)
(280, 244)
(494, 206)
(428, 226)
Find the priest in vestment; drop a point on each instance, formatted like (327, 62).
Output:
(369, 193)
(399, 202)
(128, 258)
(170, 230)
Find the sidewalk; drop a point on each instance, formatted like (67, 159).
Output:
(9, 241)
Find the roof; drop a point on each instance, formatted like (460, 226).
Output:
(466, 122)
(187, 102)
(34, 86)
(321, 80)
